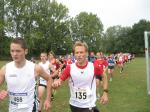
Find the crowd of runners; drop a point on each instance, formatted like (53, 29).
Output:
(108, 63)
(87, 72)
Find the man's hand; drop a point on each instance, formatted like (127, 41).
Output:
(47, 104)
(57, 83)
(104, 99)
(3, 94)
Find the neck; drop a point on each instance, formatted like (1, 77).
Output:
(20, 64)
(43, 62)
(82, 63)
(51, 59)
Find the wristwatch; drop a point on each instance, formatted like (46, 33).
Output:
(105, 90)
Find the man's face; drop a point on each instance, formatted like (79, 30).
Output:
(51, 56)
(43, 57)
(80, 54)
(92, 54)
(17, 52)
(99, 55)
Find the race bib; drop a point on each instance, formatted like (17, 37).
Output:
(111, 64)
(82, 94)
(19, 99)
(43, 81)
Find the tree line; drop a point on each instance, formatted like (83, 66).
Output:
(46, 25)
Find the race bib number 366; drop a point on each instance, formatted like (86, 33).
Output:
(18, 98)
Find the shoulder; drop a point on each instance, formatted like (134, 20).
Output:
(38, 67)
(3, 67)
(47, 62)
(69, 66)
(73, 64)
(11, 63)
(3, 70)
(30, 64)
(39, 63)
(90, 64)
(8, 66)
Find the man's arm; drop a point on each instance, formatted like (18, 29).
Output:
(53, 70)
(104, 82)
(2, 75)
(3, 93)
(104, 98)
(40, 71)
(105, 66)
(65, 74)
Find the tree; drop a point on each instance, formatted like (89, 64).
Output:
(38, 21)
(117, 39)
(2, 18)
(1, 22)
(87, 27)
(51, 21)
(137, 36)
(127, 39)
(4, 40)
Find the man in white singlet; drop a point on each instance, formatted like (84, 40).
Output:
(45, 64)
(121, 61)
(82, 81)
(20, 75)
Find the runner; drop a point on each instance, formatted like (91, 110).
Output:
(100, 64)
(42, 82)
(56, 65)
(20, 75)
(91, 57)
(111, 65)
(69, 60)
(120, 62)
(82, 81)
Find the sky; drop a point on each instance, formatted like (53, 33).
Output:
(111, 12)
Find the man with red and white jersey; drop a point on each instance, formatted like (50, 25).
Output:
(69, 60)
(56, 66)
(120, 61)
(82, 81)
(54, 62)
(45, 64)
(101, 66)
(125, 58)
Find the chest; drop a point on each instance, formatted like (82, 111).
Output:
(82, 75)
(19, 78)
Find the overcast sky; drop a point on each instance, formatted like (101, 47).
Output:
(111, 12)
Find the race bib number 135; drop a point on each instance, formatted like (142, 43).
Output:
(81, 95)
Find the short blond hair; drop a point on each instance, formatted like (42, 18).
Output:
(79, 43)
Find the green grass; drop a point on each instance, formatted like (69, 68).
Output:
(127, 91)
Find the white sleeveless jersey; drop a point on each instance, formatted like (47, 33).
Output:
(82, 85)
(45, 66)
(21, 87)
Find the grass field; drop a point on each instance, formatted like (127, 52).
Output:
(127, 92)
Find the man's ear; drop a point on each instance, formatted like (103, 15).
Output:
(26, 51)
